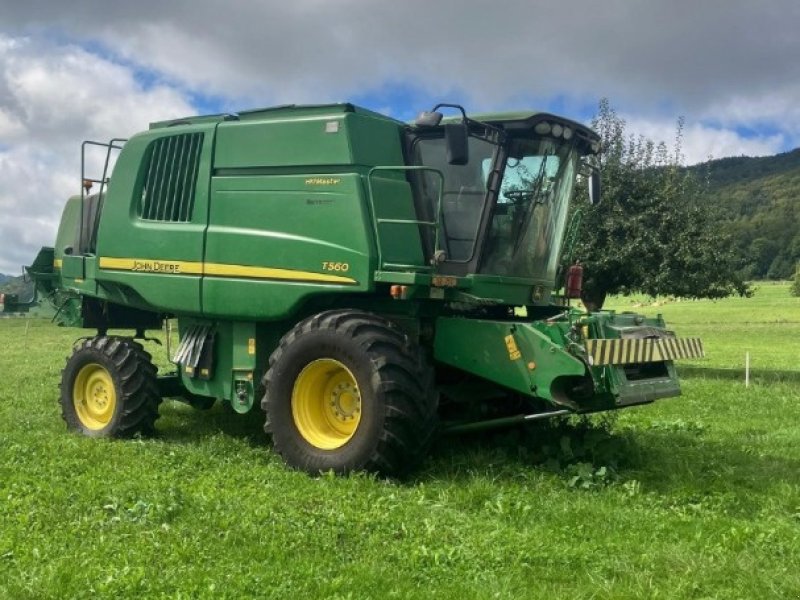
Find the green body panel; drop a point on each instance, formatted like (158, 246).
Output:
(512, 290)
(292, 140)
(240, 354)
(401, 243)
(543, 359)
(516, 355)
(275, 144)
(265, 221)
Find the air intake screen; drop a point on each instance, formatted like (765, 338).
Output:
(171, 178)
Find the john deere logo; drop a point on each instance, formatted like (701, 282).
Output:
(156, 266)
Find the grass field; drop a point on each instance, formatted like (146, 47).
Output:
(696, 497)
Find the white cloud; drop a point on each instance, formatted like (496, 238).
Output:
(779, 108)
(641, 54)
(701, 142)
(52, 97)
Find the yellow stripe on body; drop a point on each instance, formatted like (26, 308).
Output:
(223, 270)
(57, 263)
(181, 267)
(151, 265)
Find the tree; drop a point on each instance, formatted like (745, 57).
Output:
(651, 232)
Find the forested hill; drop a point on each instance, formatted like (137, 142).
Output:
(760, 202)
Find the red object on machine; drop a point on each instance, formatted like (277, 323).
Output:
(574, 284)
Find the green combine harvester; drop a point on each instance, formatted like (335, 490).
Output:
(368, 283)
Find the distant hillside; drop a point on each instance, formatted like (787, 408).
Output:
(5, 278)
(759, 200)
(737, 169)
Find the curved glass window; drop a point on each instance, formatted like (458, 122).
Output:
(529, 218)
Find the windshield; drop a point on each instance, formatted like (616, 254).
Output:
(463, 196)
(528, 220)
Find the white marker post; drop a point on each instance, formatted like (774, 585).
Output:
(746, 369)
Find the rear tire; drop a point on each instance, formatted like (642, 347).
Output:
(349, 391)
(108, 388)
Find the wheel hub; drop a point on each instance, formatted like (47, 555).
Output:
(326, 404)
(345, 401)
(94, 396)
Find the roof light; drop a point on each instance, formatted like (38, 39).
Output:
(542, 128)
(567, 133)
(557, 130)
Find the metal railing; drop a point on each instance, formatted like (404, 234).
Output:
(111, 145)
(378, 221)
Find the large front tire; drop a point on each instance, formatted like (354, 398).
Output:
(108, 388)
(348, 391)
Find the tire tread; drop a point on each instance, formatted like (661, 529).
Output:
(401, 375)
(137, 393)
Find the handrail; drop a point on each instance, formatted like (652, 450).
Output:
(376, 222)
(111, 145)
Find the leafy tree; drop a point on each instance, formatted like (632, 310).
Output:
(795, 289)
(651, 233)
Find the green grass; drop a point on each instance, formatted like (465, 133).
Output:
(696, 497)
(766, 325)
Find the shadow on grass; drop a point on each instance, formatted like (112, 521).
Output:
(664, 458)
(182, 424)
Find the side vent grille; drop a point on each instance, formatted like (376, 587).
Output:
(171, 178)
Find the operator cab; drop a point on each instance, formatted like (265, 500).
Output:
(506, 187)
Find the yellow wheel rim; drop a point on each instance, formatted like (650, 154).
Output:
(94, 396)
(326, 404)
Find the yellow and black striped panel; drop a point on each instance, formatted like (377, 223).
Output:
(630, 351)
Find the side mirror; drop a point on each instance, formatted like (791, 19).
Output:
(594, 187)
(456, 140)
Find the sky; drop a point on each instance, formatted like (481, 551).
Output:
(91, 69)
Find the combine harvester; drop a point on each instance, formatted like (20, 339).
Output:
(368, 283)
